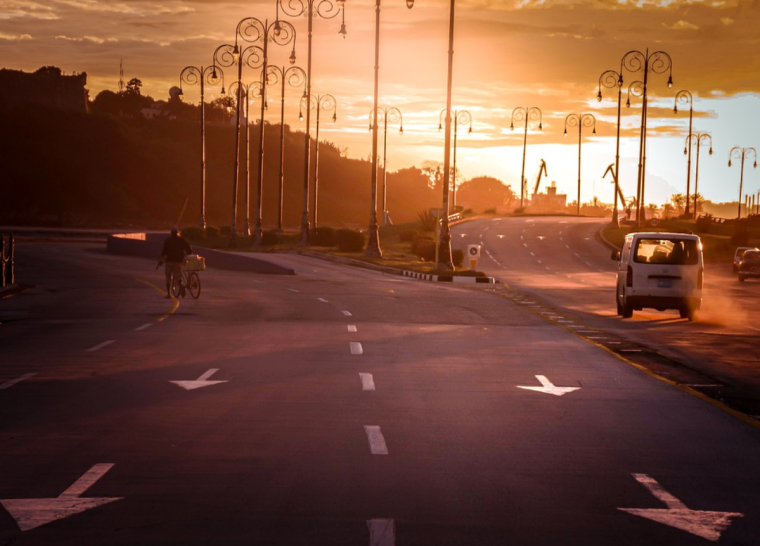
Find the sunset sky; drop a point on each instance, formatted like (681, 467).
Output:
(508, 53)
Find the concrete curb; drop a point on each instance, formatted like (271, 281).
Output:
(149, 245)
(602, 239)
(14, 290)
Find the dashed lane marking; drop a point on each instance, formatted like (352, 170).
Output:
(351, 328)
(323, 300)
(356, 348)
(9, 384)
(100, 346)
(377, 445)
(346, 313)
(382, 532)
(293, 290)
(144, 326)
(368, 384)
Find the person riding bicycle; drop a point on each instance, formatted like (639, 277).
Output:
(173, 254)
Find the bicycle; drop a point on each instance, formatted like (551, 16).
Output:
(189, 279)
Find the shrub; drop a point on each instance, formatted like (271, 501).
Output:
(425, 249)
(457, 256)
(350, 240)
(466, 211)
(704, 223)
(407, 236)
(224, 231)
(489, 211)
(212, 232)
(427, 220)
(416, 242)
(194, 233)
(519, 210)
(322, 236)
(270, 237)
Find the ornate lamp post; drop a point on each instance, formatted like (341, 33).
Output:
(684, 97)
(530, 113)
(465, 118)
(326, 9)
(295, 77)
(698, 139)
(394, 116)
(658, 62)
(210, 75)
(319, 102)
(611, 79)
(736, 153)
(580, 121)
(373, 238)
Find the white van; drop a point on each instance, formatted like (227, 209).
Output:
(660, 271)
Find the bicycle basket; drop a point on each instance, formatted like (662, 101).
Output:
(195, 263)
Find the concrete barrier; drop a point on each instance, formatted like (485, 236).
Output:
(149, 245)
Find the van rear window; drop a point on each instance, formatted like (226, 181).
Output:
(666, 251)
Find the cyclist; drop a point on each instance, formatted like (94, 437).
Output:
(174, 252)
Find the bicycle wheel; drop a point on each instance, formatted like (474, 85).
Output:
(194, 285)
(176, 285)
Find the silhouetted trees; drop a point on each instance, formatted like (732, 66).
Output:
(484, 193)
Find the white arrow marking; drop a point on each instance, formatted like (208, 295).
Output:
(549, 388)
(500, 236)
(540, 237)
(9, 384)
(31, 513)
(202, 381)
(382, 532)
(705, 524)
(368, 384)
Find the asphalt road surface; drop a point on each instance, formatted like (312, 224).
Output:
(345, 407)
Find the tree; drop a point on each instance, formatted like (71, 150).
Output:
(134, 87)
(484, 192)
(679, 202)
(652, 209)
(49, 71)
(668, 210)
(433, 170)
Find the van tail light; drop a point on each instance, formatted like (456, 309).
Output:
(700, 278)
(629, 277)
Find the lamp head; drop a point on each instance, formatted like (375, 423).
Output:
(292, 57)
(410, 4)
(729, 162)
(440, 126)
(335, 117)
(401, 130)
(223, 92)
(370, 126)
(710, 150)
(675, 109)
(300, 115)
(565, 132)
(670, 82)
(627, 103)
(593, 132)
(236, 53)
(277, 28)
(511, 126)
(540, 126)
(684, 151)
(214, 75)
(470, 131)
(755, 165)
(342, 31)
(599, 96)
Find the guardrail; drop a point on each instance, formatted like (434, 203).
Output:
(7, 258)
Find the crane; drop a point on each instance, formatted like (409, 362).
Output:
(611, 170)
(541, 171)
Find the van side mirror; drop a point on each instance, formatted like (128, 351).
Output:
(615, 255)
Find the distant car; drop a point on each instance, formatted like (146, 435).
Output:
(738, 255)
(749, 266)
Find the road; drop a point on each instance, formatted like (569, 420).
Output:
(340, 407)
(560, 262)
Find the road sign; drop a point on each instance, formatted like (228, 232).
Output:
(32, 513)
(708, 525)
(473, 254)
(654, 222)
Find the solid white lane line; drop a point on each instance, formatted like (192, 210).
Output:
(382, 532)
(368, 384)
(323, 300)
(293, 290)
(753, 328)
(346, 313)
(9, 384)
(86, 481)
(351, 328)
(376, 440)
(100, 346)
(144, 326)
(356, 348)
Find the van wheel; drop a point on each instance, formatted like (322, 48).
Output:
(741, 278)
(627, 311)
(687, 313)
(619, 307)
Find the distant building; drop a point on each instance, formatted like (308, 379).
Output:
(550, 201)
(46, 87)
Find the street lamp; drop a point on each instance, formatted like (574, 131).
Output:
(736, 153)
(684, 97)
(228, 55)
(658, 62)
(295, 77)
(326, 9)
(329, 104)
(611, 79)
(394, 116)
(530, 113)
(210, 75)
(280, 33)
(698, 139)
(580, 121)
(373, 237)
(465, 118)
